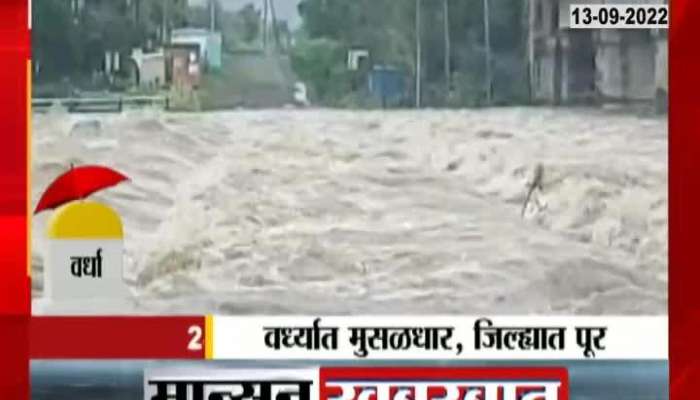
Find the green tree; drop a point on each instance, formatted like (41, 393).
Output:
(56, 40)
(386, 28)
(250, 19)
(320, 63)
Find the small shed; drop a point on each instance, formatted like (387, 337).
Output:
(209, 44)
(214, 51)
(387, 83)
(183, 65)
(151, 68)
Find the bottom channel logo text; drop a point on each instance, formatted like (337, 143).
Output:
(359, 384)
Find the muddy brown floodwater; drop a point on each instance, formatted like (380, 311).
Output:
(396, 212)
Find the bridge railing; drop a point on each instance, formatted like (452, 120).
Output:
(101, 104)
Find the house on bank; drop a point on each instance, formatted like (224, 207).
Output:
(207, 42)
(142, 66)
(600, 65)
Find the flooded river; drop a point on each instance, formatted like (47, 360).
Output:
(400, 212)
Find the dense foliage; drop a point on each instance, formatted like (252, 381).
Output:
(57, 47)
(387, 29)
(71, 44)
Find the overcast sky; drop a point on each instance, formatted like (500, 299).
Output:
(286, 9)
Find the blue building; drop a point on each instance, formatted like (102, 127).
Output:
(388, 84)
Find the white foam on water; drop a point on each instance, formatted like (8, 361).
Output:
(321, 211)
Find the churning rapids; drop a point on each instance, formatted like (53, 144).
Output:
(372, 212)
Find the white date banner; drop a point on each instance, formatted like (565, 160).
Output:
(619, 16)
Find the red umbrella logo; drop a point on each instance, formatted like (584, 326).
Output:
(77, 184)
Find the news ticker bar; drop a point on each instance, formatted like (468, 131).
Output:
(350, 338)
(380, 383)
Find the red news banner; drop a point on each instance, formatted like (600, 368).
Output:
(444, 383)
(117, 337)
(350, 338)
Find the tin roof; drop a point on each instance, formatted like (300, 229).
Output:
(190, 32)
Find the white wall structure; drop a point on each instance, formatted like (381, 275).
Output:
(151, 67)
(607, 64)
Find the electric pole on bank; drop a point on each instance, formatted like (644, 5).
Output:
(487, 44)
(418, 53)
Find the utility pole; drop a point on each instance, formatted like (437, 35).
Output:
(274, 23)
(446, 15)
(164, 34)
(487, 43)
(530, 12)
(212, 15)
(418, 54)
(264, 24)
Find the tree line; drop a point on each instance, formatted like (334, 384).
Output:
(449, 35)
(70, 43)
